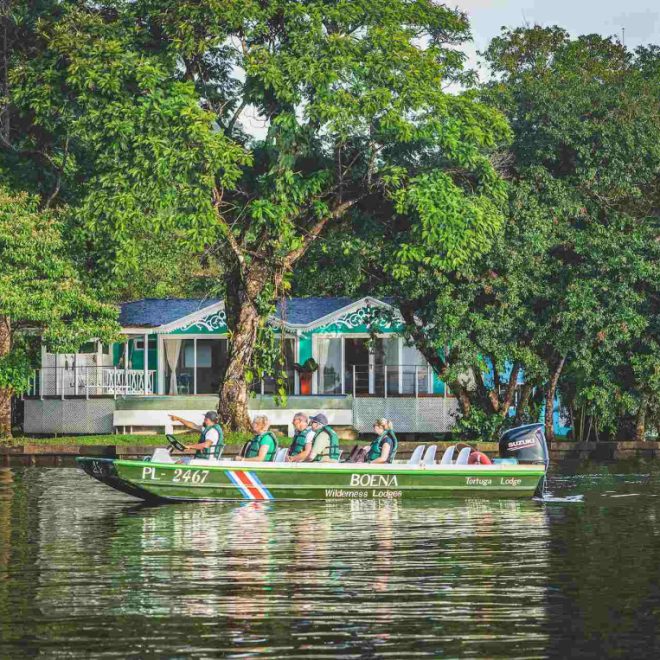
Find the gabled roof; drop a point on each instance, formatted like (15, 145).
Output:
(303, 311)
(155, 312)
(167, 314)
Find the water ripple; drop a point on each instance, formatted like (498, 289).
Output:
(86, 570)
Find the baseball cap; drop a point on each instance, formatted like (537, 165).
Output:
(211, 415)
(320, 418)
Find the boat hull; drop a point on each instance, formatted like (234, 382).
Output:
(231, 480)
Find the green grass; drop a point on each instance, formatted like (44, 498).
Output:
(136, 440)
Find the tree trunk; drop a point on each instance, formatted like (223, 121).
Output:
(243, 323)
(550, 400)
(510, 390)
(5, 392)
(640, 420)
(525, 395)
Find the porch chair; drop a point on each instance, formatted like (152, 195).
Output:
(416, 456)
(463, 456)
(448, 456)
(429, 456)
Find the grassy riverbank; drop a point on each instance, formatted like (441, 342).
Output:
(135, 440)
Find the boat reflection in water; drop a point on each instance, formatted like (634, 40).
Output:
(302, 574)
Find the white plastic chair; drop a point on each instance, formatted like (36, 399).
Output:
(162, 455)
(429, 456)
(416, 456)
(448, 455)
(463, 456)
(280, 457)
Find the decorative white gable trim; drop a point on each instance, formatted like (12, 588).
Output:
(360, 317)
(348, 313)
(210, 323)
(200, 316)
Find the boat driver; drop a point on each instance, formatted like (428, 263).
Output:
(301, 445)
(211, 439)
(325, 447)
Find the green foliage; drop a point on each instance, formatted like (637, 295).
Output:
(112, 133)
(309, 366)
(40, 289)
(573, 270)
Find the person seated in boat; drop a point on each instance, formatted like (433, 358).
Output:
(303, 438)
(263, 446)
(383, 448)
(325, 446)
(478, 458)
(211, 439)
(475, 457)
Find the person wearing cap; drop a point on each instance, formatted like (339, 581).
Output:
(325, 446)
(211, 439)
(303, 438)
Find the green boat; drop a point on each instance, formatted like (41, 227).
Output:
(519, 472)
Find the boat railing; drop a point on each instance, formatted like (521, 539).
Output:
(70, 380)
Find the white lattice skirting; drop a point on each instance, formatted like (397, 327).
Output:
(422, 415)
(84, 416)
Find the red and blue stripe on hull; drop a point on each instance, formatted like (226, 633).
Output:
(249, 485)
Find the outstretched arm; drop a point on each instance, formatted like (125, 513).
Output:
(188, 424)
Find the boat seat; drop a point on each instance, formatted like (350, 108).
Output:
(429, 456)
(162, 455)
(416, 456)
(353, 453)
(448, 455)
(280, 457)
(463, 456)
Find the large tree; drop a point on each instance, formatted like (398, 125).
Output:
(570, 287)
(350, 115)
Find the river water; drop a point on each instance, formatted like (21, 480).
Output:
(85, 571)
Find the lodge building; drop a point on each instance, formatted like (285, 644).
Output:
(172, 353)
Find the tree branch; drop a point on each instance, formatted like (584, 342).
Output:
(229, 234)
(60, 171)
(314, 232)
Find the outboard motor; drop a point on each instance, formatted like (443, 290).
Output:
(526, 444)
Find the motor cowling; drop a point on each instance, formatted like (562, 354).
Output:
(526, 444)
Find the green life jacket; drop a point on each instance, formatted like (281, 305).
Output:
(252, 447)
(376, 448)
(299, 441)
(215, 450)
(332, 452)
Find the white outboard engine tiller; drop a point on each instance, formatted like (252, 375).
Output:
(526, 444)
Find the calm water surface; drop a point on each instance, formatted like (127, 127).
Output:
(87, 571)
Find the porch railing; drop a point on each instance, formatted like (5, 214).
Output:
(379, 380)
(89, 381)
